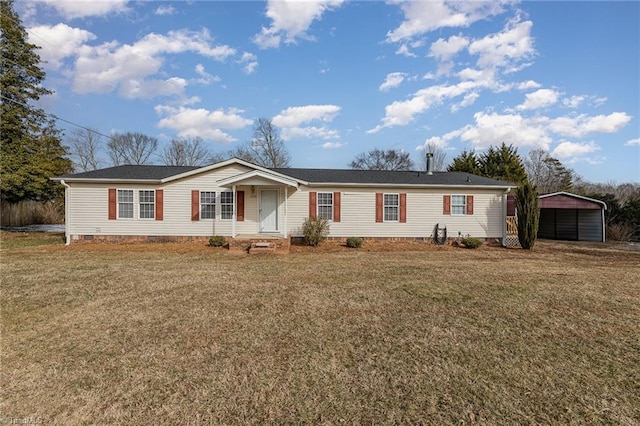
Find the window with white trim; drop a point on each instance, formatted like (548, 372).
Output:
(325, 205)
(207, 205)
(226, 205)
(147, 201)
(125, 203)
(458, 204)
(391, 207)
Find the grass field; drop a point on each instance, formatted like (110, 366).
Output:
(177, 333)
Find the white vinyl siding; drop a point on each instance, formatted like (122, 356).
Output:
(424, 212)
(458, 204)
(391, 207)
(325, 205)
(125, 204)
(207, 205)
(147, 201)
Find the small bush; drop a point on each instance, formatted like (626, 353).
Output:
(217, 241)
(315, 231)
(354, 242)
(619, 232)
(471, 243)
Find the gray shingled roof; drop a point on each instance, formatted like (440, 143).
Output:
(131, 173)
(388, 177)
(156, 173)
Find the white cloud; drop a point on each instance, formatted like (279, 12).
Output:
(209, 125)
(581, 125)
(493, 129)
(332, 145)
(294, 121)
(573, 101)
(393, 79)
(404, 51)
(568, 149)
(539, 99)
(401, 113)
(103, 68)
(291, 20)
(468, 100)
(146, 89)
(294, 116)
(506, 48)
(250, 62)
(62, 41)
(529, 84)
(205, 77)
(443, 50)
(165, 10)
(421, 17)
(83, 8)
(633, 142)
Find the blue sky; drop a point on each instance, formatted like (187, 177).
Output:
(339, 78)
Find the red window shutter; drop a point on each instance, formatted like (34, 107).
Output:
(379, 207)
(446, 204)
(403, 208)
(159, 204)
(469, 204)
(195, 205)
(336, 207)
(312, 205)
(112, 204)
(240, 206)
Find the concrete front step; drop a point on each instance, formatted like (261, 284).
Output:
(255, 245)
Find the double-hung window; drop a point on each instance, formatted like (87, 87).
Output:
(207, 205)
(391, 207)
(458, 204)
(125, 203)
(147, 201)
(325, 205)
(226, 205)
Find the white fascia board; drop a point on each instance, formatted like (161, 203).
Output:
(105, 180)
(217, 166)
(276, 177)
(408, 185)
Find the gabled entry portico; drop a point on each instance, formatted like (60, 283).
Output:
(267, 207)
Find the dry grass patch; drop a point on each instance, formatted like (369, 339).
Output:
(133, 333)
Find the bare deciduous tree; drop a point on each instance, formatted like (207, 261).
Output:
(548, 174)
(85, 146)
(131, 148)
(439, 157)
(266, 149)
(186, 152)
(378, 159)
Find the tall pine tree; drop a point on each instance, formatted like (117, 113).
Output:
(503, 163)
(465, 162)
(31, 149)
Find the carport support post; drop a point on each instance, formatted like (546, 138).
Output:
(604, 228)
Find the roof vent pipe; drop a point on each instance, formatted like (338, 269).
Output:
(429, 163)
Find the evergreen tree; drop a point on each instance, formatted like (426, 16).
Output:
(467, 162)
(528, 215)
(503, 163)
(31, 149)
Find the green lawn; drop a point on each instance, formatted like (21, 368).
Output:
(168, 334)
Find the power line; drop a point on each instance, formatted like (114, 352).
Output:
(59, 118)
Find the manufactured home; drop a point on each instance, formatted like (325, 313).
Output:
(237, 199)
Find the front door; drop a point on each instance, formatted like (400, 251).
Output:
(269, 210)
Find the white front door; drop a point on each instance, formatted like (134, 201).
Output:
(269, 210)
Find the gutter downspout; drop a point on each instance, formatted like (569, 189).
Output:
(67, 189)
(504, 217)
